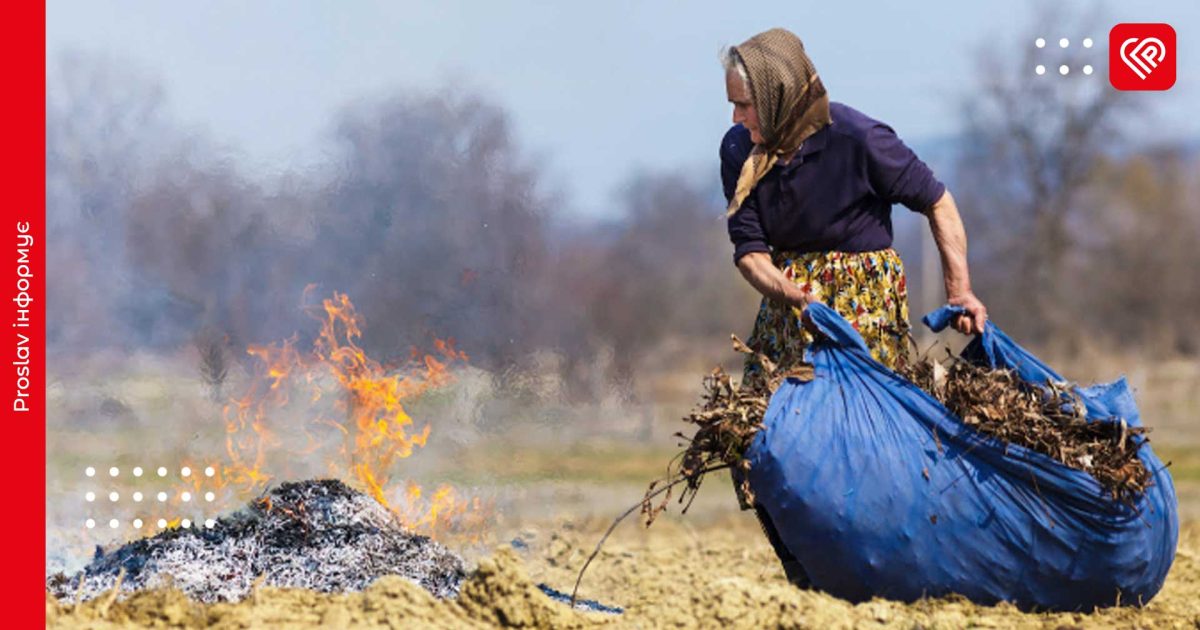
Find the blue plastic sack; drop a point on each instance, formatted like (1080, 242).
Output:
(878, 490)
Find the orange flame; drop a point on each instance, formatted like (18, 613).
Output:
(371, 426)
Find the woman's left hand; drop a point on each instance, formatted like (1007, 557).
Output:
(951, 241)
(971, 322)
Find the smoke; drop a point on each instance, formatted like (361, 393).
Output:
(429, 215)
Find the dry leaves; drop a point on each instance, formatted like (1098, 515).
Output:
(1050, 419)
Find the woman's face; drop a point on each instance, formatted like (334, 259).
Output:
(743, 108)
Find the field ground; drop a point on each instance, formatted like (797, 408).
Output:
(552, 478)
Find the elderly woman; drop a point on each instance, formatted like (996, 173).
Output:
(810, 186)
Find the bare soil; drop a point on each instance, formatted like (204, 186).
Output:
(674, 575)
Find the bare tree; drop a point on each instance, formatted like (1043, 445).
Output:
(1033, 143)
(1144, 254)
(207, 256)
(667, 276)
(437, 225)
(213, 361)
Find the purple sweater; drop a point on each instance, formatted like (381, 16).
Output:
(836, 194)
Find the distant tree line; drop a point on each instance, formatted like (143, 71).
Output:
(435, 223)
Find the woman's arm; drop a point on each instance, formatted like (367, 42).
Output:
(951, 239)
(764, 276)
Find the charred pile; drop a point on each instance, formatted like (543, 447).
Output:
(320, 535)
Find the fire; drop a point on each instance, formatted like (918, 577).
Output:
(352, 414)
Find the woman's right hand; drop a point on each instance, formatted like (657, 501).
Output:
(800, 301)
(799, 298)
(763, 275)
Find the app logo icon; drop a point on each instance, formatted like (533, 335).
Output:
(1141, 56)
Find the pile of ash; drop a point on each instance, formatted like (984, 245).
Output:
(319, 535)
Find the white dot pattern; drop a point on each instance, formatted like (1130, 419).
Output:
(184, 471)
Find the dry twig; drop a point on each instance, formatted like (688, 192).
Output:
(726, 422)
(650, 494)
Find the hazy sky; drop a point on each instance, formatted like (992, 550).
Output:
(595, 89)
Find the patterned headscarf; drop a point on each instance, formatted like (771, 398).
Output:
(789, 98)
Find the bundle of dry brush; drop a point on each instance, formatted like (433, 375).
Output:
(726, 422)
(1049, 419)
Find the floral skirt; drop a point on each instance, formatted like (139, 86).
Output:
(867, 288)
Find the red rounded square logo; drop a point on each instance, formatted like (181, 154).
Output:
(1141, 56)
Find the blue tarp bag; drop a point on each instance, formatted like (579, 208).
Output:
(879, 490)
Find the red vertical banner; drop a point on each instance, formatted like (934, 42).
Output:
(23, 345)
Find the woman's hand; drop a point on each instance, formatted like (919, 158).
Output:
(973, 321)
(763, 275)
(800, 302)
(799, 299)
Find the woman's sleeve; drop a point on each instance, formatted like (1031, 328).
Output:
(745, 228)
(896, 173)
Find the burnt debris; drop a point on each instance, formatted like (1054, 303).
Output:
(320, 535)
